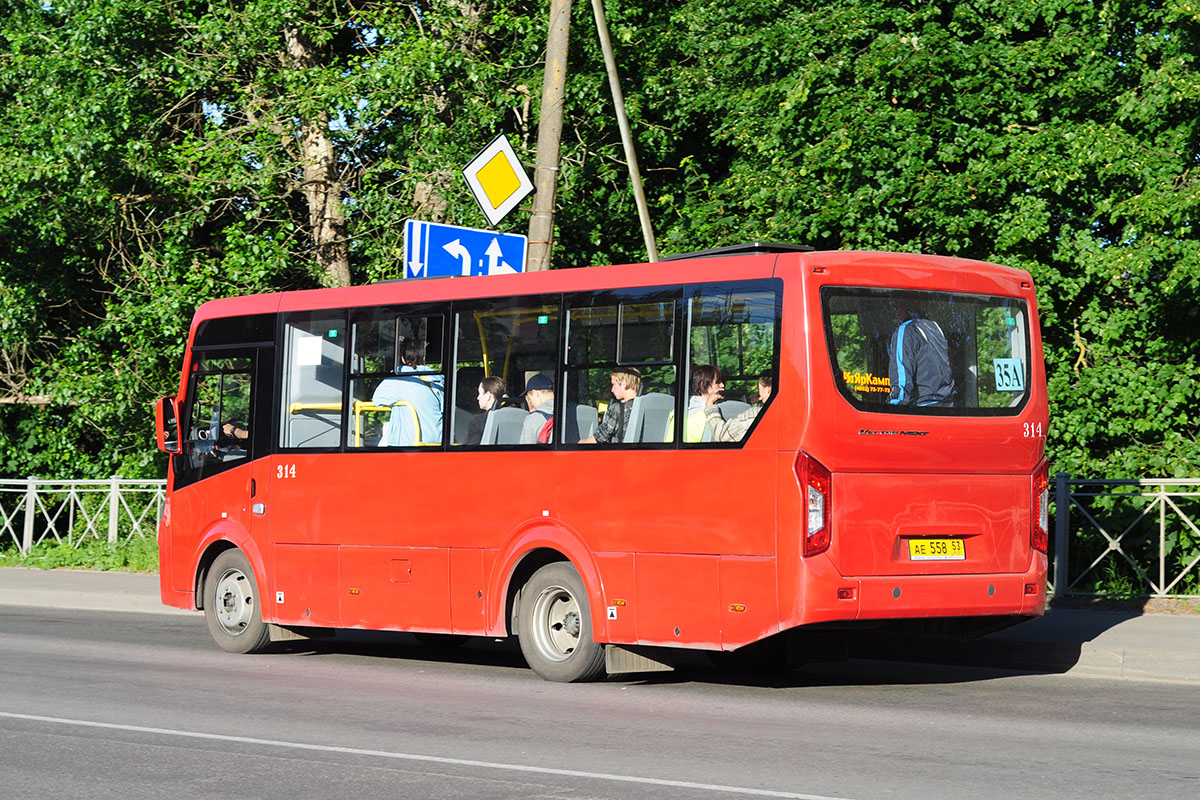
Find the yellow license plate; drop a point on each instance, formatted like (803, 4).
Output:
(936, 549)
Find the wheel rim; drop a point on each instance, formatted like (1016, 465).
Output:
(234, 602)
(557, 623)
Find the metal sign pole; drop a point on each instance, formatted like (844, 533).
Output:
(635, 177)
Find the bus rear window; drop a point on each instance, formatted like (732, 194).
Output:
(928, 352)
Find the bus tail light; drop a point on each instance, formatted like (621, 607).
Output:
(1039, 537)
(815, 482)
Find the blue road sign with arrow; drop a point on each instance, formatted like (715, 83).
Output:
(434, 250)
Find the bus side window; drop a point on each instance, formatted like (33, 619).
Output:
(397, 385)
(610, 337)
(314, 347)
(219, 422)
(733, 339)
(511, 339)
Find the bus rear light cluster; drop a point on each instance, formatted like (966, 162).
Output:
(815, 482)
(1039, 536)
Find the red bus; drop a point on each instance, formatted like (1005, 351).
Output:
(332, 465)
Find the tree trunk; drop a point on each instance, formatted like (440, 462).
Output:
(321, 182)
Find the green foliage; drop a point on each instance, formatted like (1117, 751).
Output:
(152, 160)
(135, 554)
(1052, 135)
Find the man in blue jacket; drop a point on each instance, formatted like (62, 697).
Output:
(919, 362)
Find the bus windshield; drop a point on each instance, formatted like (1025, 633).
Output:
(928, 352)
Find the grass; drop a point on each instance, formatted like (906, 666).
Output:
(135, 554)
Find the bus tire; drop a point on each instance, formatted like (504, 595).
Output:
(555, 628)
(231, 606)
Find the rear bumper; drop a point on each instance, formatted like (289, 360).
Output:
(830, 597)
(951, 596)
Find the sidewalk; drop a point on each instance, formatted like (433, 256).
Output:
(1086, 643)
(82, 590)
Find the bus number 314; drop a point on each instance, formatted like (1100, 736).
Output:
(289, 470)
(1033, 430)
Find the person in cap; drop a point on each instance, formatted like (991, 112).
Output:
(539, 397)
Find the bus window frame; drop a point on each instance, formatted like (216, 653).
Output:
(886, 293)
(443, 311)
(775, 286)
(551, 302)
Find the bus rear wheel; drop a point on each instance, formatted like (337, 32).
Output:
(231, 606)
(555, 628)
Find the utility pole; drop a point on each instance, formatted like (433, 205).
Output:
(549, 141)
(635, 176)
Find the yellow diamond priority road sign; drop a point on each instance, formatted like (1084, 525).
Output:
(497, 180)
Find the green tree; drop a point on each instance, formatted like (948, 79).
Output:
(1053, 135)
(159, 154)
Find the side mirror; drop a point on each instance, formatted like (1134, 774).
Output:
(166, 424)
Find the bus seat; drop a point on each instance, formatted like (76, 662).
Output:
(462, 425)
(650, 418)
(581, 423)
(503, 426)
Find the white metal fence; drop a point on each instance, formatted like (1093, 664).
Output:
(34, 511)
(1138, 534)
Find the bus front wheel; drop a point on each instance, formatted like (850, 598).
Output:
(555, 629)
(231, 606)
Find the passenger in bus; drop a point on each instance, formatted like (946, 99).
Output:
(734, 430)
(706, 386)
(918, 361)
(539, 396)
(492, 391)
(415, 395)
(625, 383)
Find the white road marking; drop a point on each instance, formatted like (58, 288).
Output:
(458, 762)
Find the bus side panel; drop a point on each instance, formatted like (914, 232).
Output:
(620, 596)
(677, 603)
(701, 501)
(309, 574)
(217, 501)
(395, 588)
(467, 586)
(748, 600)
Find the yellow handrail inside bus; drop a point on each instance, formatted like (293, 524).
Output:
(367, 405)
(297, 408)
(361, 407)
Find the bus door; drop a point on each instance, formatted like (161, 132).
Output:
(219, 477)
(305, 508)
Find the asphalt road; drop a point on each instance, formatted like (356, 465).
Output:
(144, 706)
